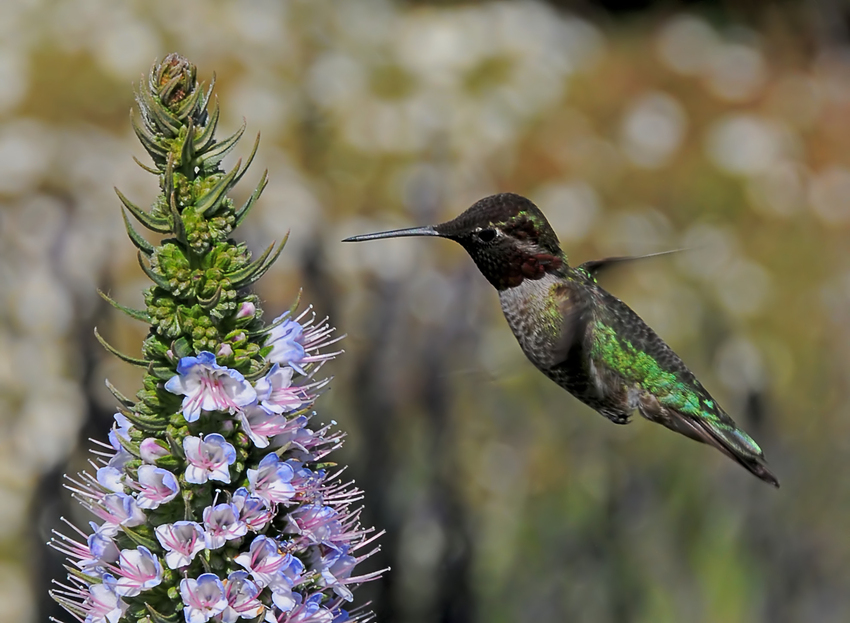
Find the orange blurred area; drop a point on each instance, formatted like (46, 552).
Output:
(504, 499)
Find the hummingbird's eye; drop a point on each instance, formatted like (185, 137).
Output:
(486, 235)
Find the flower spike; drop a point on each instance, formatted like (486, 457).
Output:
(212, 500)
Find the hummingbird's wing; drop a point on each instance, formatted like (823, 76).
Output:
(573, 313)
(567, 331)
(641, 371)
(595, 267)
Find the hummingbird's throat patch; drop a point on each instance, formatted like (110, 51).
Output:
(531, 267)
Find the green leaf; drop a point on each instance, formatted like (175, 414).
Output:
(131, 360)
(157, 279)
(148, 141)
(167, 184)
(250, 159)
(176, 446)
(171, 463)
(193, 103)
(187, 153)
(140, 539)
(294, 305)
(155, 346)
(118, 395)
(181, 348)
(158, 617)
(220, 150)
(154, 224)
(211, 302)
(177, 218)
(146, 167)
(162, 372)
(209, 203)
(145, 424)
(136, 314)
(166, 123)
(251, 273)
(260, 372)
(207, 136)
(140, 243)
(242, 212)
(88, 579)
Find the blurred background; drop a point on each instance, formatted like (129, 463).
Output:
(637, 127)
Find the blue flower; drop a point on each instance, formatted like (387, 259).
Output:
(310, 611)
(296, 343)
(209, 458)
(221, 524)
(204, 597)
(208, 386)
(106, 605)
(253, 510)
(139, 571)
(285, 340)
(120, 434)
(272, 480)
(156, 486)
(241, 594)
(181, 540)
(276, 393)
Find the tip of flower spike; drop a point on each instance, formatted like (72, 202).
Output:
(175, 79)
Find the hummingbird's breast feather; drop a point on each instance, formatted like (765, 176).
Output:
(535, 313)
(596, 347)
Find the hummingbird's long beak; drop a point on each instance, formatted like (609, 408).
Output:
(396, 233)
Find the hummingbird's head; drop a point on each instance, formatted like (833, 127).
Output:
(506, 235)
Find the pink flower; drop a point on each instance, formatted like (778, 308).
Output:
(272, 480)
(259, 424)
(118, 509)
(336, 569)
(317, 524)
(295, 343)
(308, 611)
(221, 524)
(111, 478)
(276, 393)
(103, 604)
(182, 540)
(156, 486)
(204, 598)
(209, 458)
(120, 434)
(296, 435)
(150, 450)
(253, 510)
(101, 547)
(241, 594)
(263, 560)
(208, 386)
(246, 310)
(140, 570)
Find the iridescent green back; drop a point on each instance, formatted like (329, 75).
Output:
(622, 342)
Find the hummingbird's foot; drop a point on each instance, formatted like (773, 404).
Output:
(618, 417)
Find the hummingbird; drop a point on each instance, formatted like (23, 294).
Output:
(579, 335)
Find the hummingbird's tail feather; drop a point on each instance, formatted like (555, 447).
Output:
(717, 430)
(734, 443)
